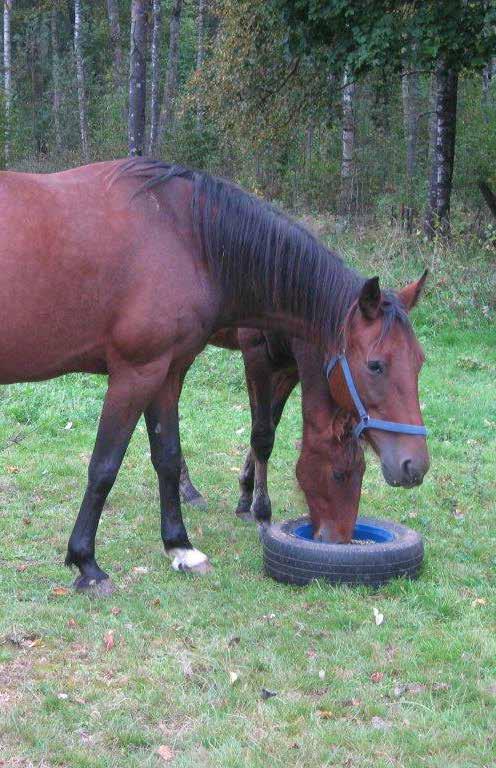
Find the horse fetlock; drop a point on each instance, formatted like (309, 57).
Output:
(261, 508)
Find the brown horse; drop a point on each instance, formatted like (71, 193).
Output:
(331, 464)
(128, 267)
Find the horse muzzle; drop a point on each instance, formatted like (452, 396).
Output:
(407, 473)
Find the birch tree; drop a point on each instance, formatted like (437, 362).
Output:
(7, 83)
(200, 55)
(115, 37)
(348, 144)
(443, 150)
(155, 80)
(410, 89)
(81, 80)
(56, 93)
(137, 77)
(167, 114)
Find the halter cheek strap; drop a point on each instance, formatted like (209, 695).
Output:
(365, 421)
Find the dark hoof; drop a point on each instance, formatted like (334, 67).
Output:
(94, 588)
(247, 517)
(196, 501)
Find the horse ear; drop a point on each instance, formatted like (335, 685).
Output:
(369, 300)
(410, 294)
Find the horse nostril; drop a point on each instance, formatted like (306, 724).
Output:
(406, 467)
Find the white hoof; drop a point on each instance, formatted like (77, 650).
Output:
(190, 560)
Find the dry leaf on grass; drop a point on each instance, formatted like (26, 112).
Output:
(166, 753)
(325, 714)
(233, 676)
(109, 640)
(377, 677)
(115, 610)
(60, 591)
(378, 616)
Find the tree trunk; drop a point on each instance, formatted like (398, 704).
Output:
(348, 143)
(442, 154)
(7, 82)
(56, 97)
(137, 77)
(411, 100)
(200, 55)
(155, 62)
(81, 85)
(167, 114)
(115, 37)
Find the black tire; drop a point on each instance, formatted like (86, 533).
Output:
(295, 560)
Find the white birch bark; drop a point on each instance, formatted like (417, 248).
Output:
(80, 75)
(167, 114)
(155, 81)
(7, 82)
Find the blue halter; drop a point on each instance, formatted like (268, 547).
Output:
(365, 421)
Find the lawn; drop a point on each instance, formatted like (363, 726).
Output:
(170, 670)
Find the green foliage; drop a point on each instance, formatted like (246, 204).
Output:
(368, 35)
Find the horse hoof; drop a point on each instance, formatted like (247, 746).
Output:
(246, 517)
(201, 569)
(190, 561)
(94, 588)
(197, 501)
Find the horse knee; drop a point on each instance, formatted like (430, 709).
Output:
(102, 477)
(262, 443)
(167, 464)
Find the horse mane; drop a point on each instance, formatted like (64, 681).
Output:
(262, 258)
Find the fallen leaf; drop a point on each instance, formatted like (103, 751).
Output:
(266, 694)
(441, 687)
(378, 616)
(72, 623)
(12, 470)
(60, 591)
(21, 568)
(479, 601)
(26, 520)
(166, 753)
(351, 703)
(109, 640)
(377, 677)
(233, 676)
(115, 610)
(325, 714)
(141, 569)
(156, 602)
(380, 724)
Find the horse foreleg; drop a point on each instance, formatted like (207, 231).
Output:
(162, 423)
(126, 398)
(189, 494)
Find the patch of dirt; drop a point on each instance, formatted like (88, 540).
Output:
(13, 675)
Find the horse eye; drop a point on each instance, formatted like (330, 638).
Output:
(376, 366)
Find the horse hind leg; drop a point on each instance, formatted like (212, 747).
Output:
(189, 494)
(126, 398)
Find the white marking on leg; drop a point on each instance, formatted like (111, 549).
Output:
(186, 559)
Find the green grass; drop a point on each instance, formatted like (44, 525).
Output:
(419, 690)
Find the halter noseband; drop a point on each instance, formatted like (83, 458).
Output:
(365, 421)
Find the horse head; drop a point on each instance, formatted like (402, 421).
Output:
(378, 378)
